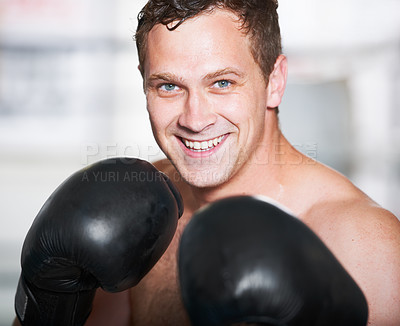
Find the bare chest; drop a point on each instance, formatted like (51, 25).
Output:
(156, 300)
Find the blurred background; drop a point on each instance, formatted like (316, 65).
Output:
(70, 94)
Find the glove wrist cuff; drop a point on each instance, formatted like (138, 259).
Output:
(35, 306)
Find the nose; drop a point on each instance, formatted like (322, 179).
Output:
(198, 113)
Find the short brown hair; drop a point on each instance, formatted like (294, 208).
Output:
(259, 19)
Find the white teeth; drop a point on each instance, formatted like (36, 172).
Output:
(203, 145)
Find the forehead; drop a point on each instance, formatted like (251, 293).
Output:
(210, 40)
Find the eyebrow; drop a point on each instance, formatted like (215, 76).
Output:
(222, 72)
(165, 76)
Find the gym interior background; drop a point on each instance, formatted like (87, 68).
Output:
(70, 94)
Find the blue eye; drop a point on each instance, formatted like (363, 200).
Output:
(223, 83)
(168, 87)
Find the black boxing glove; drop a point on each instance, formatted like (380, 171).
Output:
(244, 260)
(106, 225)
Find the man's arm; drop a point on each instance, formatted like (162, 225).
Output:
(376, 265)
(366, 240)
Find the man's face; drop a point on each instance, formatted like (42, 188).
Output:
(206, 97)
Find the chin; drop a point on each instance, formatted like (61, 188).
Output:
(204, 179)
(207, 171)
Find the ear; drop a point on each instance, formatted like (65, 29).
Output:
(140, 69)
(277, 82)
(142, 74)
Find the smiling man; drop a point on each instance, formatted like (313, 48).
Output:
(214, 76)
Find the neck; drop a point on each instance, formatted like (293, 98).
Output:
(262, 174)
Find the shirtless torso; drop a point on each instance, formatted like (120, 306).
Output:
(363, 236)
(212, 110)
(215, 91)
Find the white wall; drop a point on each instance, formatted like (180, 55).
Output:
(70, 94)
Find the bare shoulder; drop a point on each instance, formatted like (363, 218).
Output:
(356, 219)
(366, 240)
(340, 208)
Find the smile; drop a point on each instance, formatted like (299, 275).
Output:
(202, 146)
